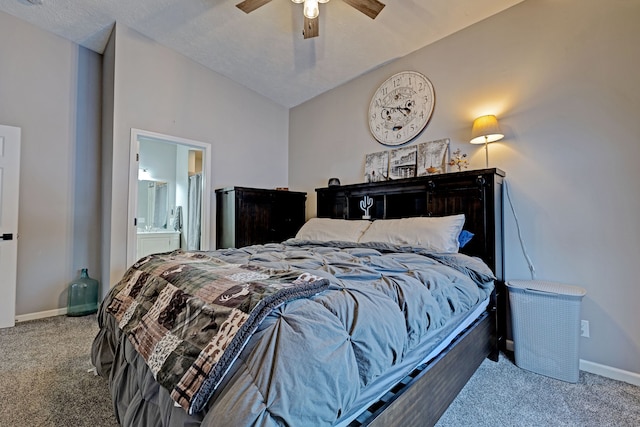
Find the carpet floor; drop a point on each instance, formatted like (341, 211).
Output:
(502, 394)
(46, 379)
(46, 375)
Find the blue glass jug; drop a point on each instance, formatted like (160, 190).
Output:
(82, 295)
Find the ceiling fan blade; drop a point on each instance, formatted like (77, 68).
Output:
(371, 8)
(311, 28)
(250, 5)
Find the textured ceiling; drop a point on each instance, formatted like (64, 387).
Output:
(265, 50)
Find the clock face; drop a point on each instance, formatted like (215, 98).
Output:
(401, 108)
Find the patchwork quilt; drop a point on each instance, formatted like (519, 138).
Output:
(189, 315)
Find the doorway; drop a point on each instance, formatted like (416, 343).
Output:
(169, 194)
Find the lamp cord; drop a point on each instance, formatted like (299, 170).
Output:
(532, 269)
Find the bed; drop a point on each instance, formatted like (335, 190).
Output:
(330, 331)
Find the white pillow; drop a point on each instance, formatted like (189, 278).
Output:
(438, 234)
(329, 229)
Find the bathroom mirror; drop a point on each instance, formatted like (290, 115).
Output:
(153, 205)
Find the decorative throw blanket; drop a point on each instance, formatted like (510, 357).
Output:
(190, 315)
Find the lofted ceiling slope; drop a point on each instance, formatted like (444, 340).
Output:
(265, 50)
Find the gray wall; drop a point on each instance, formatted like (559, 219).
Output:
(562, 78)
(159, 90)
(72, 186)
(49, 87)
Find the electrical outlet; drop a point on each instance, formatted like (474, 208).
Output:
(584, 328)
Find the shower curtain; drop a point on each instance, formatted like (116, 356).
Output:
(194, 212)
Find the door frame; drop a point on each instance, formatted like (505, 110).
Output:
(9, 222)
(205, 231)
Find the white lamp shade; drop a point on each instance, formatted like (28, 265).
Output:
(298, 1)
(486, 129)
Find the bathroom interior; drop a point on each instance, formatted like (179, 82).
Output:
(169, 201)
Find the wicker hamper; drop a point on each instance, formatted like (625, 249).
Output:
(546, 327)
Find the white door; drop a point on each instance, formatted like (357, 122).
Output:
(9, 186)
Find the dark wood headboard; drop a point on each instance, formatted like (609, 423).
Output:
(475, 193)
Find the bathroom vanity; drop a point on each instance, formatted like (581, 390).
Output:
(150, 242)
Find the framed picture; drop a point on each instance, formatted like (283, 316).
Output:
(402, 162)
(376, 167)
(433, 157)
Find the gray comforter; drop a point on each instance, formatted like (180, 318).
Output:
(309, 360)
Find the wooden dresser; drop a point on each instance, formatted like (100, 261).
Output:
(252, 216)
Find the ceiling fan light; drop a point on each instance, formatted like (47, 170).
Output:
(298, 1)
(323, 1)
(311, 10)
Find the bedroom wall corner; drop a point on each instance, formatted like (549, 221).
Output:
(50, 88)
(108, 77)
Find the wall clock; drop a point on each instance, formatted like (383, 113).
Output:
(401, 107)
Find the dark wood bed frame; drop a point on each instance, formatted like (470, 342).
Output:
(424, 395)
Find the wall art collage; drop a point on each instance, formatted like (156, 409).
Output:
(427, 158)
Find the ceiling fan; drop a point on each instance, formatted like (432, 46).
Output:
(371, 8)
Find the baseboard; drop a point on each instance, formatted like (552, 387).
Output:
(598, 369)
(610, 372)
(41, 315)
